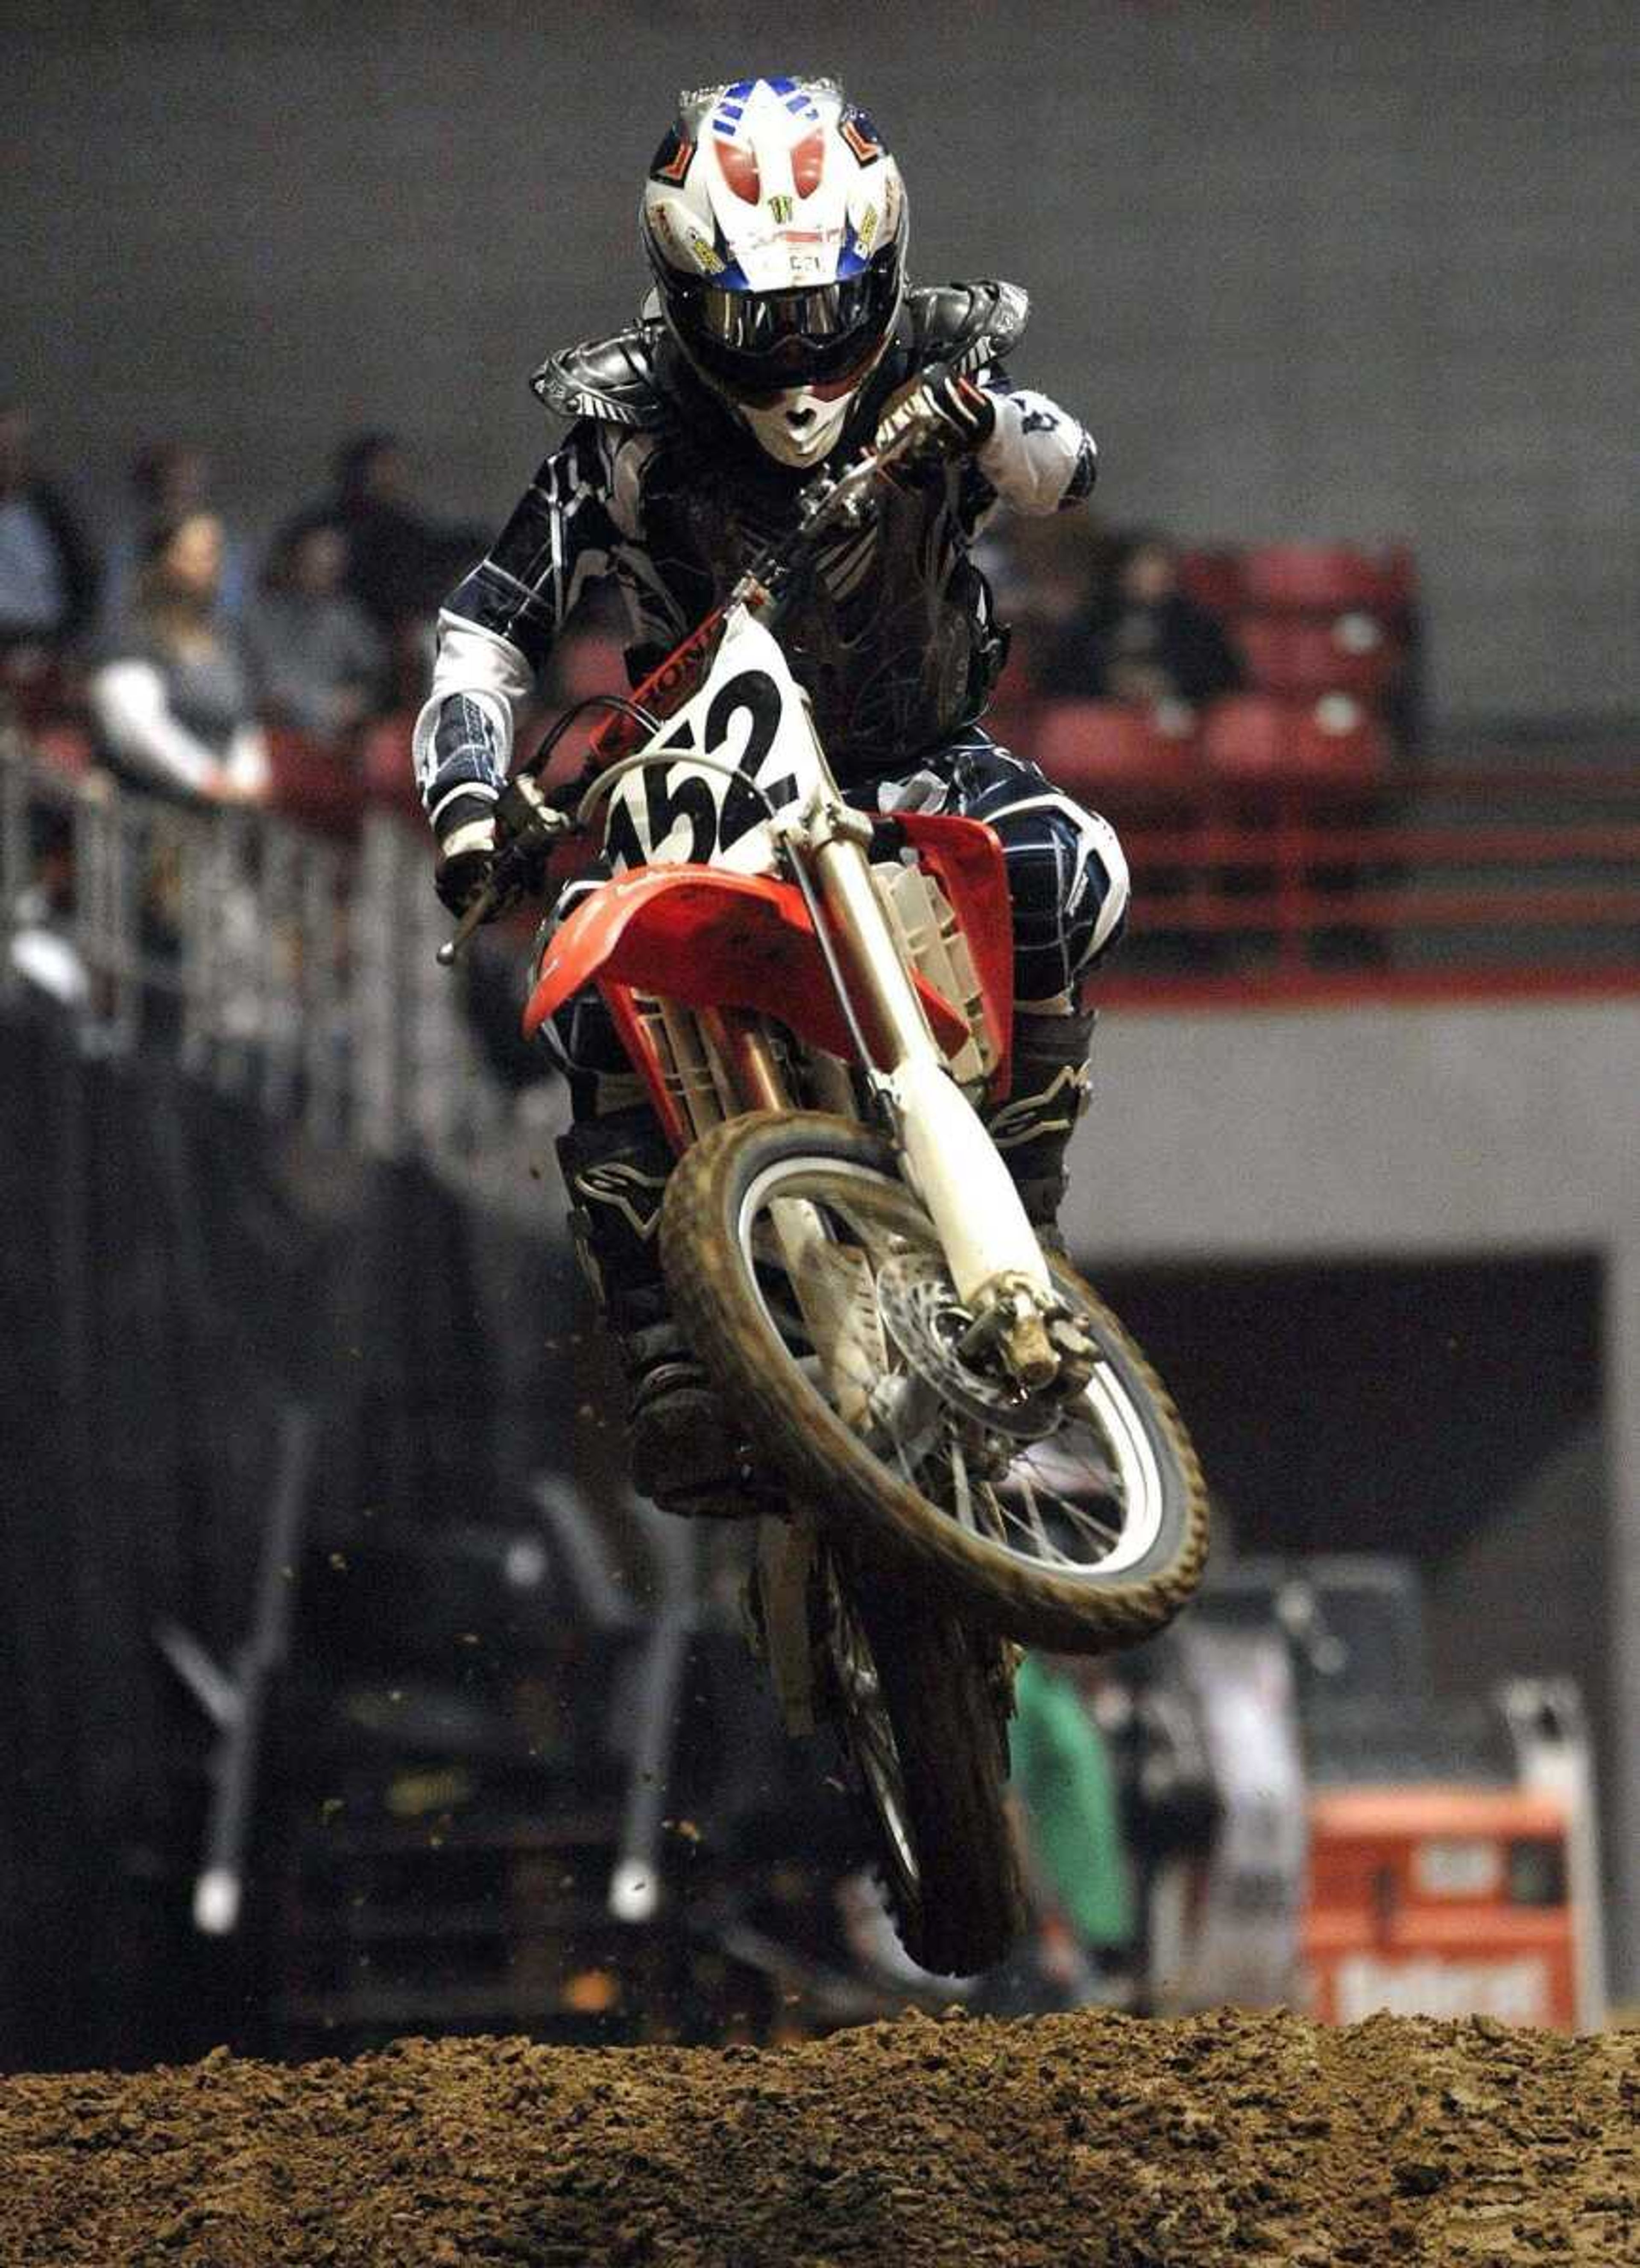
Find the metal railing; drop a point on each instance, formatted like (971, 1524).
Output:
(298, 971)
(294, 972)
(1469, 884)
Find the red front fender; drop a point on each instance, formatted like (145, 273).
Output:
(711, 939)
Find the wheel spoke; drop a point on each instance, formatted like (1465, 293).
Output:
(996, 1518)
(870, 1728)
(1034, 1513)
(964, 1494)
(1074, 1510)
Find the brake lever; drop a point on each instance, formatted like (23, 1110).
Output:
(529, 819)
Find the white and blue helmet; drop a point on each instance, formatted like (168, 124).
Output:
(774, 222)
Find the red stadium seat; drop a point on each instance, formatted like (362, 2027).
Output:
(1089, 747)
(320, 788)
(1350, 654)
(1213, 579)
(1015, 720)
(1255, 740)
(1335, 742)
(1249, 737)
(1313, 579)
(65, 748)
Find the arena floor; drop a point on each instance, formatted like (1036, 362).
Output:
(1086, 2141)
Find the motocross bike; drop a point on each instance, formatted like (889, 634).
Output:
(953, 1446)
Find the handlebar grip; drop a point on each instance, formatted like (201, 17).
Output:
(531, 825)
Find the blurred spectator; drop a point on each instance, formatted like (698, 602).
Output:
(1064, 1777)
(1137, 637)
(172, 700)
(48, 571)
(167, 480)
(399, 563)
(319, 662)
(1040, 571)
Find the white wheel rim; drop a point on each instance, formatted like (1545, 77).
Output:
(1111, 1413)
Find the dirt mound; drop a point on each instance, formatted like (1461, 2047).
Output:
(1256, 2142)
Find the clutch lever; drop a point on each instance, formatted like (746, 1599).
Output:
(531, 825)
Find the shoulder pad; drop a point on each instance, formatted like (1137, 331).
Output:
(966, 324)
(614, 380)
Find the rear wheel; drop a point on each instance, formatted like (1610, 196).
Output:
(1081, 1526)
(924, 1706)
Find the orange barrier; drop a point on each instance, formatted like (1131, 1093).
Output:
(1442, 1902)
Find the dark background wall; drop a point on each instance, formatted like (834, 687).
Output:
(1325, 269)
(190, 1277)
(1448, 1410)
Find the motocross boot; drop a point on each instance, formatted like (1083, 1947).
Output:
(1048, 1095)
(684, 1450)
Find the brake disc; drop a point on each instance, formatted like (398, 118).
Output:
(924, 1318)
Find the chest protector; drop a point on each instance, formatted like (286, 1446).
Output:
(892, 636)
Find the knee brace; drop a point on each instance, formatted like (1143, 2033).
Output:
(1048, 1096)
(615, 1171)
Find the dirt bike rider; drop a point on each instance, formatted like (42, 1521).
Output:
(780, 336)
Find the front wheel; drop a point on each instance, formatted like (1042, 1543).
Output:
(1081, 1528)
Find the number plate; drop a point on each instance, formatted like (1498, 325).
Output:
(750, 714)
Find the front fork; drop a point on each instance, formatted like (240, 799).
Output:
(949, 1160)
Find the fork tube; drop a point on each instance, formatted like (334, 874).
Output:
(740, 1041)
(742, 1044)
(858, 923)
(950, 1160)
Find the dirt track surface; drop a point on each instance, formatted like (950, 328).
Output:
(1254, 2142)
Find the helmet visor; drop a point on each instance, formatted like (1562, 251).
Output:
(761, 342)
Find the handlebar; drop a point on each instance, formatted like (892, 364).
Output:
(478, 912)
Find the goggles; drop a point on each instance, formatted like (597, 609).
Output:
(766, 342)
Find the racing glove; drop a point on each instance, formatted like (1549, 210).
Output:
(951, 413)
(465, 830)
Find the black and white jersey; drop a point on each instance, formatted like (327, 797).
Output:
(660, 491)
